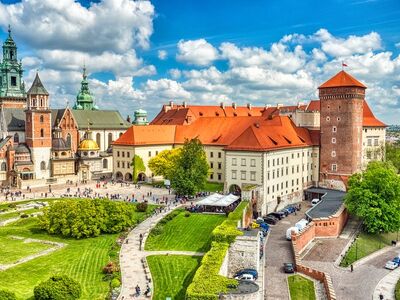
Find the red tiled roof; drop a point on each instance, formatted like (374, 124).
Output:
(342, 79)
(369, 119)
(147, 135)
(314, 105)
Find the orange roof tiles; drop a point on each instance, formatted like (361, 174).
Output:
(369, 119)
(147, 135)
(314, 105)
(342, 79)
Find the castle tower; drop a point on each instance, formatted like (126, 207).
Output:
(341, 118)
(140, 117)
(84, 99)
(12, 88)
(38, 128)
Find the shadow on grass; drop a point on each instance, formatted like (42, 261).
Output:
(188, 280)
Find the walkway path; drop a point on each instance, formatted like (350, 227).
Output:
(387, 285)
(131, 258)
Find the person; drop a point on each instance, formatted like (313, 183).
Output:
(137, 289)
(147, 292)
(351, 268)
(380, 296)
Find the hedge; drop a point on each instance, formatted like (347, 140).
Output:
(207, 284)
(6, 295)
(59, 287)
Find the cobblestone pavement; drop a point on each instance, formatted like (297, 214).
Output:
(325, 249)
(278, 251)
(387, 285)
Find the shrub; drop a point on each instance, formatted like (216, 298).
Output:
(110, 268)
(58, 288)
(12, 205)
(115, 283)
(24, 216)
(142, 206)
(6, 295)
(187, 214)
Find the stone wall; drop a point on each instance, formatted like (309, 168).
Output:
(244, 253)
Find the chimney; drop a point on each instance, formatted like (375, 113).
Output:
(171, 103)
(184, 104)
(222, 105)
(128, 119)
(234, 105)
(249, 106)
(279, 105)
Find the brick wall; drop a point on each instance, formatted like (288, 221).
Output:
(304, 237)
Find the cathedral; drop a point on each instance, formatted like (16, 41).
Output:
(40, 145)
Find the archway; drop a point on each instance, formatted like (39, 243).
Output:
(128, 177)
(235, 189)
(119, 176)
(142, 177)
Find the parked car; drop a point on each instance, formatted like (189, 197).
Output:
(391, 265)
(247, 277)
(289, 232)
(314, 202)
(272, 216)
(270, 221)
(285, 211)
(264, 226)
(247, 271)
(290, 209)
(278, 214)
(288, 268)
(301, 224)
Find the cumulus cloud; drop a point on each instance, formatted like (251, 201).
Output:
(196, 52)
(162, 54)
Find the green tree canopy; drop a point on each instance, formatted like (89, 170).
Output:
(190, 174)
(393, 154)
(164, 164)
(374, 196)
(58, 288)
(138, 166)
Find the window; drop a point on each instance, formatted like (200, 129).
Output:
(211, 165)
(369, 154)
(282, 160)
(219, 176)
(109, 139)
(243, 175)
(98, 139)
(233, 174)
(117, 164)
(273, 174)
(156, 153)
(338, 118)
(123, 154)
(13, 81)
(292, 155)
(128, 154)
(328, 119)
(42, 132)
(41, 119)
(149, 153)
(219, 154)
(253, 176)
(334, 129)
(287, 159)
(277, 161)
(105, 163)
(123, 164)
(369, 142)
(43, 165)
(334, 167)
(273, 162)
(211, 154)
(268, 175)
(243, 162)
(376, 142)
(333, 154)
(219, 165)
(3, 166)
(277, 173)
(16, 138)
(268, 163)
(253, 162)
(212, 176)
(117, 153)
(333, 140)
(234, 162)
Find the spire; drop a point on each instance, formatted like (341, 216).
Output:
(37, 87)
(84, 99)
(9, 30)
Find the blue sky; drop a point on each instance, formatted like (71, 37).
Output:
(206, 52)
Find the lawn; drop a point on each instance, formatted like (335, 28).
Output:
(397, 291)
(301, 288)
(14, 214)
(214, 187)
(80, 259)
(172, 275)
(367, 244)
(191, 233)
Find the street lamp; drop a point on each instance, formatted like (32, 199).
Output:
(356, 248)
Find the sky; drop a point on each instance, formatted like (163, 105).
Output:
(143, 54)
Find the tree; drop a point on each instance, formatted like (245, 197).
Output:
(374, 196)
(58, 288)
(165, 163)
(190, 174)
(6, 295)
(138, 166)
(393, 154)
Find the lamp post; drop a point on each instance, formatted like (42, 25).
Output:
(356, 248)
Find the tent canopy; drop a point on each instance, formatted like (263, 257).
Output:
(218, 200)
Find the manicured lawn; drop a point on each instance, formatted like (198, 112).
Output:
(191, 233)
(367, 244)
(214, 187)
(172, 275)
(301, 288)
(12, 250)
(80, 259)
(397, 291)
(14, 214)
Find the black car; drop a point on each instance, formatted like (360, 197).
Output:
(279, 215)
(288, 268)
(270, 220)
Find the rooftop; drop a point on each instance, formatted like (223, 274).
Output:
(342, 79)
(331, 201)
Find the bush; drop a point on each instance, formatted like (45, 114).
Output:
(6, 295)
(115, 283)
(24, 216)
(142, 207)
(12, 205)
(110, 267)
(58, 288)
(187, 214)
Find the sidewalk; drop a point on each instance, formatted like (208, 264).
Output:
(387, 286)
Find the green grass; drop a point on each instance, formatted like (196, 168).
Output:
(12, 250)
(80, 259)
(365, 245)
(214, 187)
(172, 274)
(185, 233)
(14, 214)
(397, 291)
(301, 288)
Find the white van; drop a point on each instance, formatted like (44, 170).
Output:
(301, 224)
(289, 232)
(314, 201)
(247, 277)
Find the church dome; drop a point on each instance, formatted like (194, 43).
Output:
(21, 149)
(88, 145)
(59, 144)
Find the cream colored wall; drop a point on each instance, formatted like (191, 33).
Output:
(247, 162)
(376, 149)
(116, 133)
(304, 118)
(215, 156)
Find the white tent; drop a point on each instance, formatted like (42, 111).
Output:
(218, 200)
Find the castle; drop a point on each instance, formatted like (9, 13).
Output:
(40, 145)
(271, 153)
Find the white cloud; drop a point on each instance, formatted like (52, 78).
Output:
(175, 73)
(162, 54)
(196, 52)
(397, 45)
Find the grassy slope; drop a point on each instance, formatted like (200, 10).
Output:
(367, 244)
(186, 233)
(172, 274)
(11, 249)
(301, 288)
(14, 214)
(397, 291)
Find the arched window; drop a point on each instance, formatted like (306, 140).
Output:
(68, 140)
(105, 163)
(42, 165)
(16, 138)
(42, 132)
(98, 140)
(41, 119)
(4, 166)
(109, 139)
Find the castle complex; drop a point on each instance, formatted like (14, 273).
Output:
(273, 153)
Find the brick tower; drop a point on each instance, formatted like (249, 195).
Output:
(341, 118)
(38, 128)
